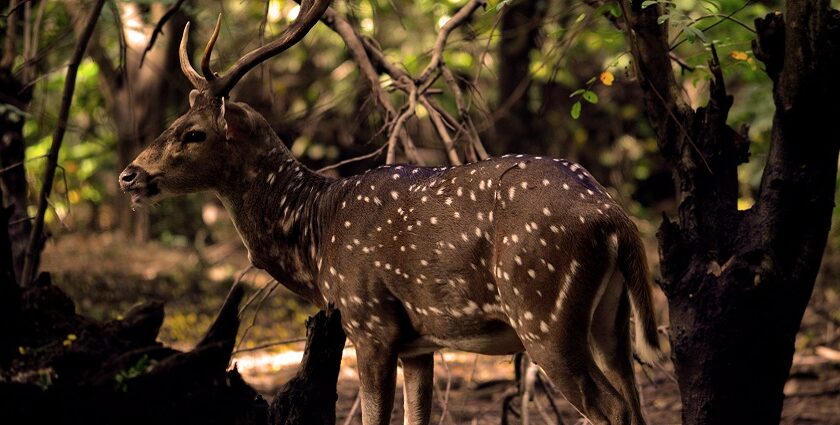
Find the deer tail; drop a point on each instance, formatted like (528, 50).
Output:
(633, 266)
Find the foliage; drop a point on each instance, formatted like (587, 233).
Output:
(87, 160)
(317, 96)
(142, 365)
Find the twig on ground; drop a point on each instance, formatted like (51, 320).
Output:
(827, 353)
(820, 311)
(250, 300)
(526, 389)
(270, 345)
(549, 394)
(352, 413)
(444, 414)
(275, 284)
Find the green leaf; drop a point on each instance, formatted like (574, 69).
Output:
(501, 4)
(590, 97)
(693, 34)
(575, 112)
(712, 6)
(648, 3)
(577, 92)
(662, 18)
(615, 10)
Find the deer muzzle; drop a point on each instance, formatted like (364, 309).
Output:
(138, 183)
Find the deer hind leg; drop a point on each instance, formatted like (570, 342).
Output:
(565, 354)
(611, 341)
(378, 375)
(572, 369)
(418, 377)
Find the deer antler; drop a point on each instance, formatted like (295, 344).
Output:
(197, 80)
(209, 75)
(220, 86)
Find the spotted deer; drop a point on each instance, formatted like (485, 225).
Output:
(495, 257)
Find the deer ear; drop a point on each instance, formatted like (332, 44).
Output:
(193, 95)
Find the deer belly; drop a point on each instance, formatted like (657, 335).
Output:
(500, 341)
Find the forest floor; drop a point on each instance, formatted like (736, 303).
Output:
(106, 275)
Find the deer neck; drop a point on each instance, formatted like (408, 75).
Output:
(280, 208)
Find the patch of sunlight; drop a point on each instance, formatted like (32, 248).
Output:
(745, 203)
(274, 12)
(421, 111)
(272, 362)
(443, 20)
(294, 12)
(219, 273)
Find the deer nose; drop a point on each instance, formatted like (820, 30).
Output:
(129, 176)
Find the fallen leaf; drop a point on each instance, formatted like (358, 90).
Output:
(739, 55)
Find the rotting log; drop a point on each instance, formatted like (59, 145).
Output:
(310, 396)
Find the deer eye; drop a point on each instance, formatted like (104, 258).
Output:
(194, 136)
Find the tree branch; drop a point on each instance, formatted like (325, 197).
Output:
(448, 144)
(372, 61)
(96, 52)
(664, 100)
(356, 44)
(8, 58)
(28, 72)
(33, 250)
(464, 114)
(458, 19)
(159, 28)
(398, 128)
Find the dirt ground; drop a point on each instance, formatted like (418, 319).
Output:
(478, 385)
(106, 275)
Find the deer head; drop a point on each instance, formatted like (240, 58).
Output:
(202, 149)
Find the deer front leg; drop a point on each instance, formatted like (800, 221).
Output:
(378, 375)
(418, 377)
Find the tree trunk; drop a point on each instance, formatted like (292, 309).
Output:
(13, 176)
(17, 78)
(9, 290)
(520, 25)
(738, 282)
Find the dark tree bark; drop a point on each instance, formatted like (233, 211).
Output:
(519, 28)
(738, 282)
(12, 149)
(117, 372)
(9, 290)
(17, 75)
(310, 396)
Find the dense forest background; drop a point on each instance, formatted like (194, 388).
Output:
(547, 77)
